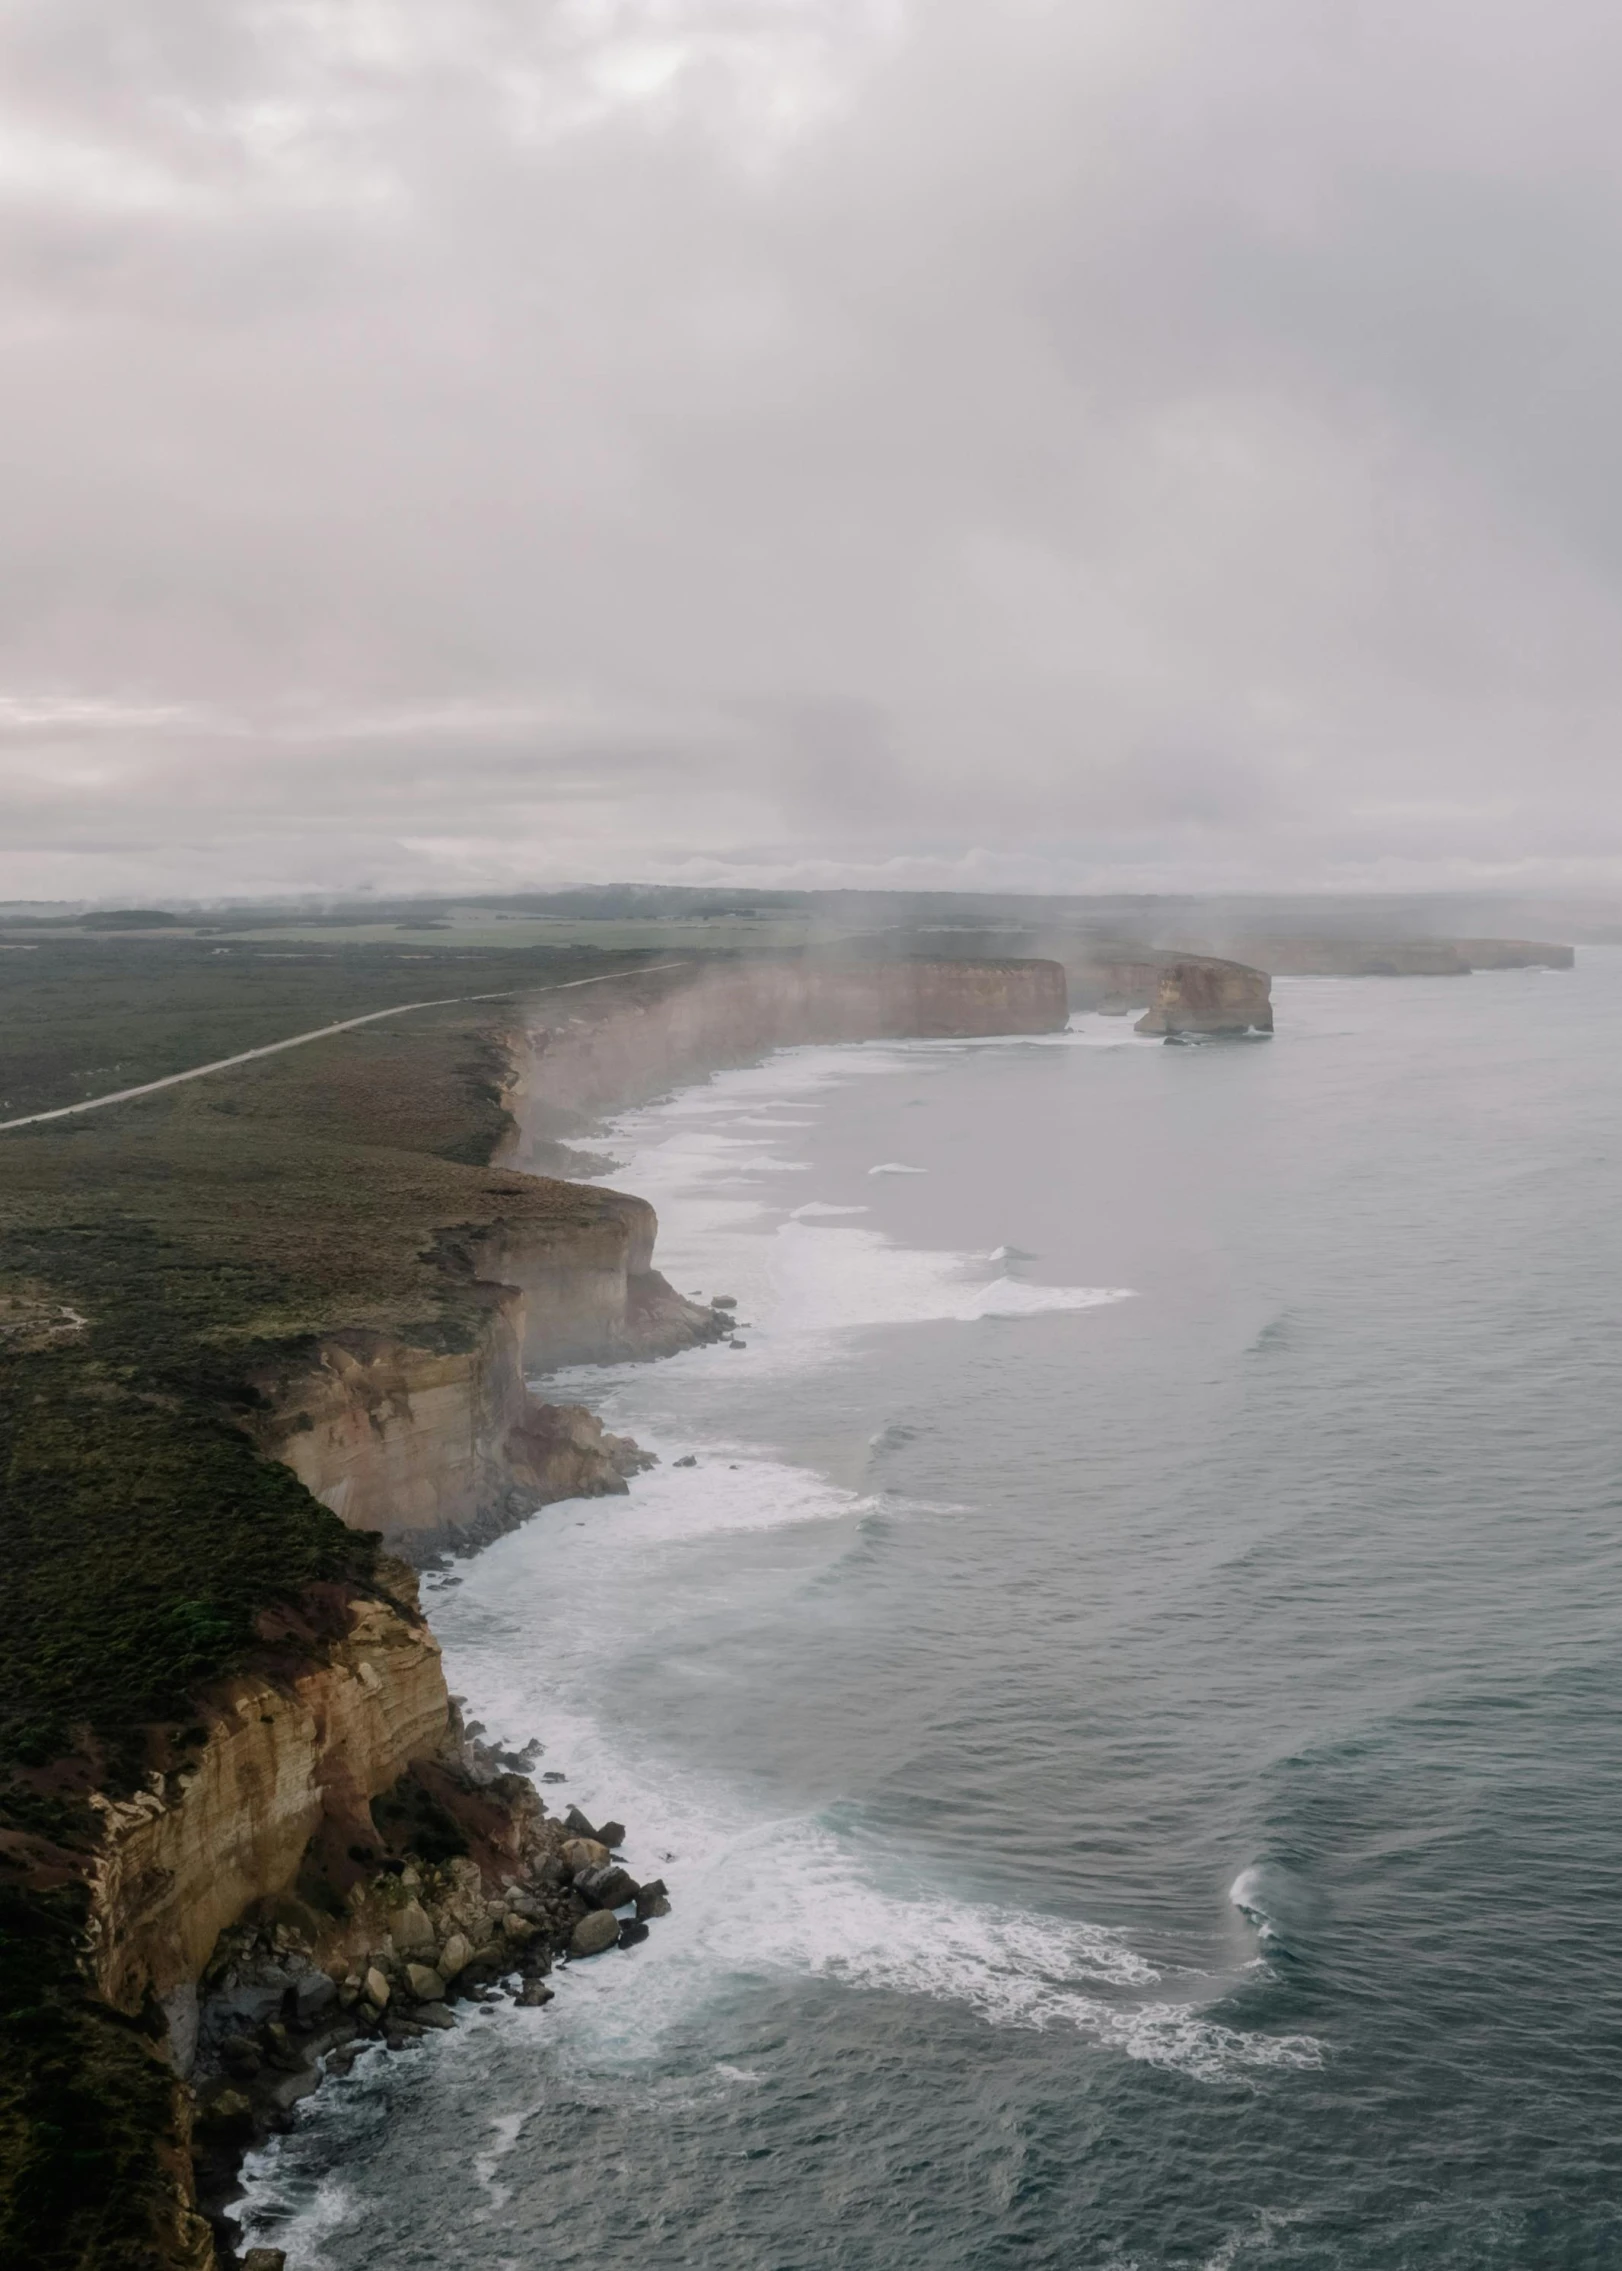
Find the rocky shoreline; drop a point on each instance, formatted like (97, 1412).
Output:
(245, 1836)
(295, 1995)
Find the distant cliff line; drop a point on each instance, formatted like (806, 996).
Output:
(440, 1448)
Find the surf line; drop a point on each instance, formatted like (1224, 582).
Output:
(344, 1025)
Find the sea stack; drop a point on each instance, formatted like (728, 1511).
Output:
(1200, 994)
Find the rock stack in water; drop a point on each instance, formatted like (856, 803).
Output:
(1200, 994)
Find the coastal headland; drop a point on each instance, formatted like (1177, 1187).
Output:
(266, 1340)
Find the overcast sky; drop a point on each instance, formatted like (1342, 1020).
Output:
(1120, 443)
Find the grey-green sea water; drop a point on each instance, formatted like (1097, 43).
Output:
(1128, 1701)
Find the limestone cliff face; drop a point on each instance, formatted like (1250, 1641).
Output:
(436, 1449)
(1515, 954)
(572, 1068)
(1118, 982)
(287, 1760)
(1199, 994)
(593, 1296)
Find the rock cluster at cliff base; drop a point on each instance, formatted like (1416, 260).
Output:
(297, 1991)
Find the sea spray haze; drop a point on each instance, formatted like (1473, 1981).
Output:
(1124, 1700)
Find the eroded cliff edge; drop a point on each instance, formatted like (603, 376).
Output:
(573, 1067)
(245, 1328)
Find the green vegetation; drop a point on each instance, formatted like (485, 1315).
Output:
(160, 1262)
(82, 1016)
(84, 2101)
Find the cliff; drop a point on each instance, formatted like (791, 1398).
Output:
(437, 1447)
(653, 1038)
(1515, 954)
(1199, 994)
(257, 1321)
(440, 1449)
(1308, 956)
(326, 1858)
(348, 1695)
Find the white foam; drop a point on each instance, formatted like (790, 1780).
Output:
(271, 2212)
(507, 2127)
(1274, 1901)
(896, 1167)
(754, 1896)
(839, 1280)
(733, 1488)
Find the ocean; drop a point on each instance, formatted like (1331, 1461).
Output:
(1127, 1699)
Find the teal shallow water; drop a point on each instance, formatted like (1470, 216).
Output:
(1130, 1722)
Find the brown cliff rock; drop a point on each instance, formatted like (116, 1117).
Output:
(288, 1759)
(571, 1068)
(1199, 994)
(1515, 954)
(443, 1449)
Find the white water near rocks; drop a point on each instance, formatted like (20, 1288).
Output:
(1067, 1694)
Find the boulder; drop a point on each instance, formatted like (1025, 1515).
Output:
(435, 2015)
(265, 2259)
(313, 1997)
(377, 1989)
(632, 1931)
(606, 1887)
(575, 1822)
(228, 2111)
(425, 1983)
(595, 1933)
(455, 1956)
(651, 1900)
(584, 1853)
(286, 2093)
(410, 1929)
(612, 1834)
(519, 1928)
(280, 2048)
(534, 1993)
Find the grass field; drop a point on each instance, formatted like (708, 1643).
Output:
(81, 1015)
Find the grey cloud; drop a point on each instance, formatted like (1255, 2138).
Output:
(1065, 444)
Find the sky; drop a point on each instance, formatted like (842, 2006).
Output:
(1050, 444)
